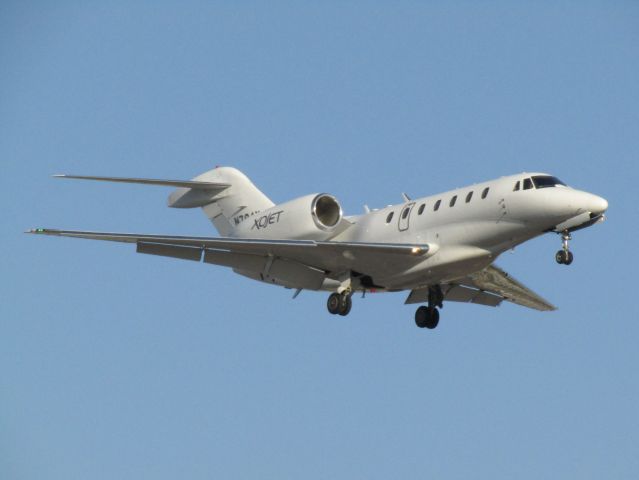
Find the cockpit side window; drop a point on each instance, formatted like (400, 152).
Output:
(546, 181)
(517, 186)
(528, 184)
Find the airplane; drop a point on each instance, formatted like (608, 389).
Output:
(439, 248)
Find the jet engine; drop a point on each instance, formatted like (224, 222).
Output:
(312, 217)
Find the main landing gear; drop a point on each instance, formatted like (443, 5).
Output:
(428, 316)
(564, 256)
(339, 303)
(425, 316)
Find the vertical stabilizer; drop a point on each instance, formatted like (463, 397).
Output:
(227, 207)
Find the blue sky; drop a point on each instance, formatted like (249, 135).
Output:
(118, 365)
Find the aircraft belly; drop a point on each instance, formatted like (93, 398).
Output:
(448, 264)
(500, 237)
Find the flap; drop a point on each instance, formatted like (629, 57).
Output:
(488, 287)
(457, 293)
(494, 280)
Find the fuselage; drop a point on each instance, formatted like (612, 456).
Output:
(464, 230)
(470, 227)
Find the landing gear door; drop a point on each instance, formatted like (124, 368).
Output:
(404, 216)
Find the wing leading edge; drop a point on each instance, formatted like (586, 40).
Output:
(327, 256)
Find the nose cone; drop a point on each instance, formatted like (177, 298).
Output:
(597, 205)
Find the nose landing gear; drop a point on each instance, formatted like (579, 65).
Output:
(564, 256)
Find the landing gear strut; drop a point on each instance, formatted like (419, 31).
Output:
(339, 303)
(428, 317)
(564, 256)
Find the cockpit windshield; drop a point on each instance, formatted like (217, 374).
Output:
(545, 181)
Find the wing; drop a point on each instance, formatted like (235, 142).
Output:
(490, 286)
(251, 254)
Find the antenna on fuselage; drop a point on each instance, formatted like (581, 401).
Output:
(406, 197)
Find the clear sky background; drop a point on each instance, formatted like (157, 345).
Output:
(118, 365)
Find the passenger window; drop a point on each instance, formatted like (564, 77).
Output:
(469, 197)
(390, 217)
(528, 184)
(437, 204)
(453, 200)
(484, 194)
(421, 209)
(406, 212)
(517, 185)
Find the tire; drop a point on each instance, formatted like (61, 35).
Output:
(421, 316)
(433, 319)
(333, 303)
(569, 259)
(560, 257)
(345, 305)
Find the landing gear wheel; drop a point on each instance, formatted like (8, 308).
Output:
(426, 317)
(345, 305)
(339, 304)
(569, 258)
(560, 257)
(420, 316)
(564, 257)
(334, 302)
(433, 320)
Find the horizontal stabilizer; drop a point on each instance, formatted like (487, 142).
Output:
(208, 186)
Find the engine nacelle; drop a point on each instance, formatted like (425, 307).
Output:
(312, 217)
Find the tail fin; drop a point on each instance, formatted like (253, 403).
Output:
(226, 196)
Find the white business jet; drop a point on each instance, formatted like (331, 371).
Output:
(440, 248)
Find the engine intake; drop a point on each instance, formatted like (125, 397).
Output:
(326, 211)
